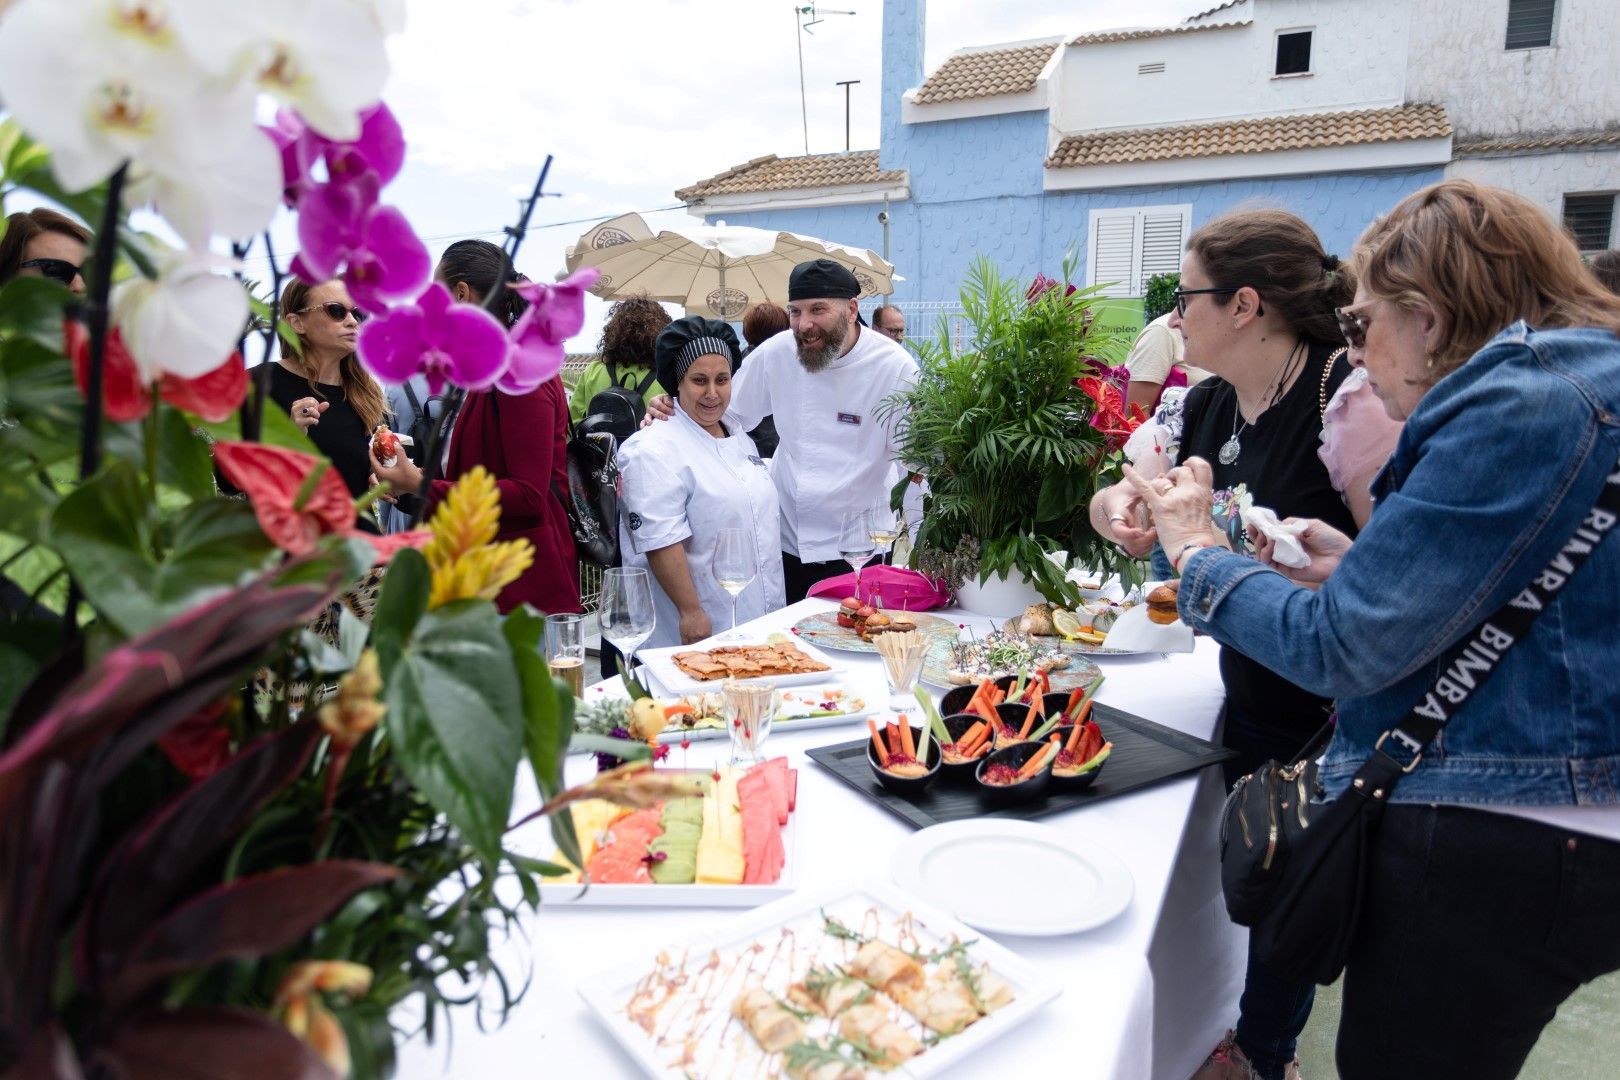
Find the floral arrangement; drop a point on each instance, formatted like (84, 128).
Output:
(239, 821)
(1015, 432)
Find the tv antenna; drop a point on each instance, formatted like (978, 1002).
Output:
(815, 19)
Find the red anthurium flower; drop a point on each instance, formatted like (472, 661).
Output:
(213, 396)
(273, 479)
(200, 744)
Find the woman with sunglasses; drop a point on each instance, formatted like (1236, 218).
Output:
(1493, 885)
(1256, 309)
(520, 439)
(325, 390)
(44, 243)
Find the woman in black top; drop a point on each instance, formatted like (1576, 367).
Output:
(1256, 308)
(328, 394)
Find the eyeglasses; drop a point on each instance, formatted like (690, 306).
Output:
(56, 269)
(336, 311)
(1352, 326)
(1182, 294)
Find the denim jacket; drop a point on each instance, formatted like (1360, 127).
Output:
(1497, 465)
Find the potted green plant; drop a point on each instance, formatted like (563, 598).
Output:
(1015, 430)
(1160, 296)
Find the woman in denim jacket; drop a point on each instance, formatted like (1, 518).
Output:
(1494, 889)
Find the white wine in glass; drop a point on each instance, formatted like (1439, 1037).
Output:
(735, 566)
(625, 613)
(855, 543)
(883, 527)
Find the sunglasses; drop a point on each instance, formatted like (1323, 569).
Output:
(59, 270)
(336, 311)
(1182, 294)
(1353, 327)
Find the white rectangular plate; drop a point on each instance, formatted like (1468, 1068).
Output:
(724, 1048)
(661, 662)
(731, 896)
(675, 733)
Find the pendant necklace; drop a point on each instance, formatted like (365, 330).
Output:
(1231, 448)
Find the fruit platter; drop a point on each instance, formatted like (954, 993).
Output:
(855, 626)
(836, 986)
(730, 844)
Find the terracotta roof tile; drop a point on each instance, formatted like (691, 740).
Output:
(1102, 36)
(986, 73)
(1510, 144)
(1297, 132)
(772, 173)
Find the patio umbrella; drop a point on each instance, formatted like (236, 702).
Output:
(714, 270)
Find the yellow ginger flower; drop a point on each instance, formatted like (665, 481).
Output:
(356, 710)
(306, 1016)
(465, 561)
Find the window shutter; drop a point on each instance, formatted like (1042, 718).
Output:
(1162, 241)
(1530, 23)
(1590, 219)
(1113, 253)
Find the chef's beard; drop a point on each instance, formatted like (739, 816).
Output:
(832, 347)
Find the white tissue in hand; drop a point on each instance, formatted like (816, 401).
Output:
(1146, 449)
(1289, 551)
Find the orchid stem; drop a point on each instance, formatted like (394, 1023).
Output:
(101, 289)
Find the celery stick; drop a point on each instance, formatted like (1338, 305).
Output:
(926, 700)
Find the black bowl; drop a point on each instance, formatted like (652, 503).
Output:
(1013, 717)
(1015, 755)
(1070, 784)
(1054, 703)
(903, 785)
(958, 725)
(956, 699)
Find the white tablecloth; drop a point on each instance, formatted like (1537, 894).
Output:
(1147, 995)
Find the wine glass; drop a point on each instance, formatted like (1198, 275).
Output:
(882, 526)
(855, 543)
(735, 565)
(625, 612)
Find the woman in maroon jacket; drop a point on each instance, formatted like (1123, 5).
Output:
(518, 438)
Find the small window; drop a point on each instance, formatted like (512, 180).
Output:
(1530, 23)
(1590, 219)
(1294, 53)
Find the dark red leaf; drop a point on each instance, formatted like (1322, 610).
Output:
(143, 877)
(243, 919)
(214, 396)
(211, 1044)
(273, 478)
(199, 744)
(124, 395)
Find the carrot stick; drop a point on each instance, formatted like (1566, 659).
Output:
(971, 735)
(907, 746)
(979, 744)
(1076, 696)
(1034, 764)
(1074, 737)
(998, 696)
(987, 712)
(1085, 711)
(1029, 722)
(877, 743)
(891, 735)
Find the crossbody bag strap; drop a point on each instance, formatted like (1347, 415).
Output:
(1483, 650)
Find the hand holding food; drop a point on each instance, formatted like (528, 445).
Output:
(1181, 504)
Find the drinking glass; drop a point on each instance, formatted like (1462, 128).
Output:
(735, 565)
(625, 612)
(882, 527)
(565, 650)
(855, 543)
(749, 707)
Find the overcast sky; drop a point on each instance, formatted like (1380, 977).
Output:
(636, 98)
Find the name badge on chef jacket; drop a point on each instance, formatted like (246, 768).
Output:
(849, 418)
(757, 460)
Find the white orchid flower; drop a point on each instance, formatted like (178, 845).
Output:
(238, 199)
(101, 82)
(389, 15)
(324, 59)
(185, 323)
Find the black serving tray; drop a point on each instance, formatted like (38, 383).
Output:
(1144, 754)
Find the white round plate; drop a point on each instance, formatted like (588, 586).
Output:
(985, 871)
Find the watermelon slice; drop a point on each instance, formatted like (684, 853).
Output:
(763, 857)
(621, 860)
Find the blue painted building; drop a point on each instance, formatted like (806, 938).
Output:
(1119, 144)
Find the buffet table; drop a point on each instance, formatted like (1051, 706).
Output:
(1146, 995)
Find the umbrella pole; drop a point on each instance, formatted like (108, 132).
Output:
(725, 307)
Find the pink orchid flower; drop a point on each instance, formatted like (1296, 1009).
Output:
(436, 337)
(342, 227)
(555, 314)
(380, 148)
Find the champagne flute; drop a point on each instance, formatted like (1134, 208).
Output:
(883, 527)
(565, 650)
(735, 565)
(855, 543)
(626, 612)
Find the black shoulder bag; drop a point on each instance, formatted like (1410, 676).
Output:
(1295, 871)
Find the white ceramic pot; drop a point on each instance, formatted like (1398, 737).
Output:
(998, 597)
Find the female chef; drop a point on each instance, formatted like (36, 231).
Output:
(685, 480)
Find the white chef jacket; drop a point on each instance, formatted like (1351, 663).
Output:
(682, 484)
(836, 452)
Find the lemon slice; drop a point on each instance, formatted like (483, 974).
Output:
(1091, 637)
(1067, 623)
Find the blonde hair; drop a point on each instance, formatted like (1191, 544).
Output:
(363, 393)
(1480, 258)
